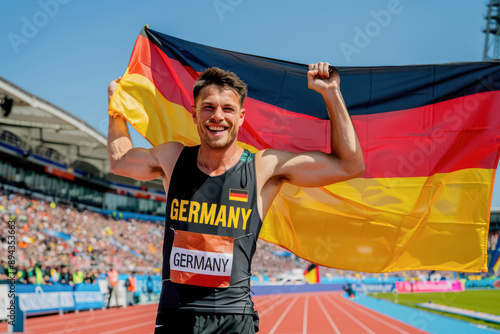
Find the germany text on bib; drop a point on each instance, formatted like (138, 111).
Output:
(201, 259)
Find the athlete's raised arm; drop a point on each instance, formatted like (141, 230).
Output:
(314, 169)
(137, 163)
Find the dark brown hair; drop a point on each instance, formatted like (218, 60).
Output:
(222, 79)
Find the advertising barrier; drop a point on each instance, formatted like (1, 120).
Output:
(373, 287)
(4, 301)
(429, 286)
(148, 288)
(88, 296)
(41, 299)
(45, 298)
(481, 284)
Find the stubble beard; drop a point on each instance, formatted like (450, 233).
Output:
(218, 143)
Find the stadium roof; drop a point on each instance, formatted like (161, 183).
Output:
(36, 124)
(495, 219)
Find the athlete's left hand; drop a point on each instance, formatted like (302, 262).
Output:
(112, 87)
(320, 79)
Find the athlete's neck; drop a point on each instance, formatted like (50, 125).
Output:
(215, 162)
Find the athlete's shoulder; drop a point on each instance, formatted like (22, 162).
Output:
(167, 155)
(170, 145)
(171, 148)
(267, 156)
(266, 161)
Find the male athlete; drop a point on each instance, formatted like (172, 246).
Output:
(218, 195)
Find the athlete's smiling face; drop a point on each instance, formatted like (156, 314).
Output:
(218, 116)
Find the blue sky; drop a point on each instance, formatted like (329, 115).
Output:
(67, 51)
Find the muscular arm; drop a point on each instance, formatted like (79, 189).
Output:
(314, 169)
(137, 163)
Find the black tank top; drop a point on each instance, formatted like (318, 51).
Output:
(220, 207)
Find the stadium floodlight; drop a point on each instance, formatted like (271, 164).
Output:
(491, 49)
(6, 106)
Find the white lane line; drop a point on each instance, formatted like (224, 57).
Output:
(304, 327)
(327, 315)
(273, 306)
(120, 330)
(283, 316)
(69, 329)
(362, 310)
(261, 302)
(351, 316)
(87, 317)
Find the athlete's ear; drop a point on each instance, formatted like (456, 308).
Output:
(193, 111)
(242, 116)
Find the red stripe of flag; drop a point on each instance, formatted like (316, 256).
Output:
(238, 195)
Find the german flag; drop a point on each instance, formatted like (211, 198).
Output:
(429, 133)
(238, 195)
(312, 274)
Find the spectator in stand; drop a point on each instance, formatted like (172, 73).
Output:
(90, 277)
(4, 277)
(45, 273)
(493, 240)
(5, 271)
(66, 277)
(112, 277)
(47, 280)
(54, 276)
(35, 274)
(43, 267)
(78, 277)
(22, 275)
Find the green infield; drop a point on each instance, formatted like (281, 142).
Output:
(487, 301)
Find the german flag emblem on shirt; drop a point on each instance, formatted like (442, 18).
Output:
(238, 195)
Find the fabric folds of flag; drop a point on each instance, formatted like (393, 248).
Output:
(312, 274)
(429, 134)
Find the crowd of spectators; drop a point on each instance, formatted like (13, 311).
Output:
(59, 239)
(492, 240)
(272, 260)
(48, 275)
(59, 243)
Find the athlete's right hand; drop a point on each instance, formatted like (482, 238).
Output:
(112, 87)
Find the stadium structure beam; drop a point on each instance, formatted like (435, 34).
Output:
(88, 156)
(26, 124)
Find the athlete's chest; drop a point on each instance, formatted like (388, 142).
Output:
(214, 205)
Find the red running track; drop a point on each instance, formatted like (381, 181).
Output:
(298, 313)
(322, 312)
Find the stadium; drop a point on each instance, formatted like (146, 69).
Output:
(415, 241)
(73, 218)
